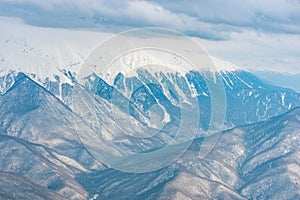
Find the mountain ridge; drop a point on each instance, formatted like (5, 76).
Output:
(228, 165)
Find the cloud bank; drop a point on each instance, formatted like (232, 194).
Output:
(213, 19)
(254, 33)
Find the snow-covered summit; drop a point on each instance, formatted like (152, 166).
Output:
(162, 61)
(43, 51)
(46, 52)
(223, 65)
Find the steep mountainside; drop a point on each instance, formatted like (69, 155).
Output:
(39, 139)
(14, 186)
(248, 99)
(258, 161)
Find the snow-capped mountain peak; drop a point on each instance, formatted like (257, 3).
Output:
(43, 53)
(159, 61)
(223, 65)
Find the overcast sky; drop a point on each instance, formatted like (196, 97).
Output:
(256, 35)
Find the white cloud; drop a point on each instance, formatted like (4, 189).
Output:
(259, 51)
(263, 15)
(213, 19)
(253, 33)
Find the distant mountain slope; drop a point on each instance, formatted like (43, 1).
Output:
(258, 161)
(281, 79)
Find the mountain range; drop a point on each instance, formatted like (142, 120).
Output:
(39, 140)
(59, 137)
(257, 161)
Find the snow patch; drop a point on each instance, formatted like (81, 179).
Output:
(283, 99)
